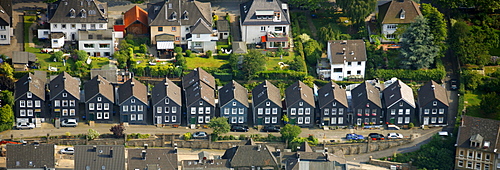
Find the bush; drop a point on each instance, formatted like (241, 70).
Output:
(188, 53)
(242, 137)
(281, 74)
(92, 134)
(192, 55)
(209, 54)
(411, 125)
(117, 130)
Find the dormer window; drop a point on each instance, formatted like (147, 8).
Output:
(29, 95)
(434, 103)
(402, 15)
(268, 103)
(132, 101)
(185, 15)
(72, 13)
(99, 99)
(65, 94)
(169, 6)
(301, 103)
(334, 103)
(84, 13)
(174, 16)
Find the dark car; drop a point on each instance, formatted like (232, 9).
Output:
(376, 136)
(271, 129)
(239, 128)
(353, 136)
(454, 84)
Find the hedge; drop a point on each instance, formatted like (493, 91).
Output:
(223, 76)
(416, 75)
(281, 74)
(20, 74)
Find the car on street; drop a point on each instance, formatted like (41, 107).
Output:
(239, 128)
(271, 129)
(394, 136)
(68, 150)
(200, 135)
(454, 84)
(25, 125)
(353, 136)
(69, 123)
(376, 136)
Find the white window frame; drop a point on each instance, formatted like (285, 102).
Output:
(174, 109)
(307, 120)
(200, 119)
(341, 111)
(159, 109)
(125, 108)
(99, 115)
(259, 111)
(132, 117)
(29, 95)
(407, 120)
(207, 110)
(57, 103)
(407, 111)
(106, 106)
(226, 111)
(200, 110)
(140, 108)
(268, 111)
(174, 118)
(241, 119)
(65, 112)
(341, 120)
(240, 111)
(167, 109)
(72, 112)
(167, 100)
(38, 103)
(22, 112)
(333, 120)
(99, 106)
(207, 119)
(293, 111)
(106, 115)
(440, 119)
(72, 103)
(441, 111)
(300, 120)
(167, 119)
(234, 111)
(400, 120)
(22, 103)
(308, 111)
(140, 117)
(426, 111)
(275, 111)
(268, 103)
(65, 103)
(433, 119)
(400, 111)
(267, 120)
(133, 108)
(300, 111)
(274, 120)
(99, 99)
(234, 103)
(326, 111)
(193, 110)
(234, 119)
(334, 111)
(29, 103)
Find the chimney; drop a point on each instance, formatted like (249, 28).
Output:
(64, 78)
(343, 51)
(145, 146)
(166, 84)
(352, 52)
(326, 150)
(298, 148)
(143, 154)
(258, 148)
(132, 83)
(94, 148)
(433, 87)
(111, 152)
(29, 79)
(344, 42)
(175, 150)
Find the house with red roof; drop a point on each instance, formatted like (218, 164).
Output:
(136, 21)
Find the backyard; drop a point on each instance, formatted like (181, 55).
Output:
(471, 102)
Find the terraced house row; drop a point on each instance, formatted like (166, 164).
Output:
(40, 99)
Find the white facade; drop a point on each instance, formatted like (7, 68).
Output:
(70, 30)
(347, 69)
(97, 48)
(388, 30)
(6, 32)
(57, 43)
(43, 33)
(252, 34)
(203, 42)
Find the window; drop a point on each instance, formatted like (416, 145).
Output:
(434, 111)
(125, 108)
(174, 29)
(132, 100)
(234, 103)
(84, 26)
(400, 120)
(174, 109)
(29, 95)
(30, 112)
(22, 112)
(92, 26)
(101, 26)
(106, 106)
(478, 156)
(374, 112)
(234, 119)
(301, 111)
(292, 111)
(374, 120)
(341, 120)
(393, 111)
(407, 112)
(65, 112)
(348, 72)
(29, 103)
(259, 111)
(200, 119)
(307, 120)
(426, 111)
(390, 36)
(278, 29)
(308, 111)
(207, 119)
(201, 103)
(226, 111)
(486, 167)
(72, 112)
(200, 110)
(174, 118)
(106, 115)
(73, 26)
(99, 115)
(333, 120)
(268, 103)
(469, 153)
(207, 110)
(407, 120)
(132, 116)
(64, 103)
(334, 103)
(400, 111)
(367, 112)
(55, 25)
(341, 111)
(262, 29)
(433, 120)
(160, 29)
(3, 37)
(487, 156)
(63, 26)
(301, 103)
(233, 111)
(104, 46)
(275, 111)
(478, 166)
(267, 120)
(400, 103)
(440, 119)
(88, 45)
(159, 109)
(193, 110)
(240, 111)
(167, 119)
(37, 103)
(391, 27)
(23, 103)
(72, 103)
(167, 109)
(268, 111)
(360, 111)
(359, 71)
(460, 163)
(434, 103)
(326, 111)
(99, 106)
(334, 111)
(349, 64)
(337, 70)
(461, 153)
(140, 116)
(274, 119)
(300, 120)
(441, 111)
(91, 106)
(56, 103)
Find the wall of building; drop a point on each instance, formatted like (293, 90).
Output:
(68, 31)
(252, 34)
(166, 30)
(7, 32)
(97, 51)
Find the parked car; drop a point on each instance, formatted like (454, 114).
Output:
(271, 129)
(392, 127)
(443, 133)
(25, 125)
(353, 136)
(69, 123)
(69, 151)
(394, 136)
(200, 135)
(239, 128)
(454, 84)
(376, 136)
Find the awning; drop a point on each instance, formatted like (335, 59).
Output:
(264, 13)
(263, 38)
(160, 45)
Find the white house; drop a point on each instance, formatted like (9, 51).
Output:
(6, 30)
(97, 43)
(397, 12)
(347, 59)
(265, 21)
(57, 39)
(202, 39)
(69, 16)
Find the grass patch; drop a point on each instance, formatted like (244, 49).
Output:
(194, 62)
(471, 102)
(472, 99)
(272, 62)
(336, 20)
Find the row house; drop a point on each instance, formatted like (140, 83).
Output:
(199, 96)
(233, 103)
(366, 104)
(399, 104)
(266, 104)
(300, 104)
(477, 144)
(99, 100)
(166, 103)
(6, 25)
(29, 98)
(133, 102)
(64, 96)
(333, 105)
(433, 105)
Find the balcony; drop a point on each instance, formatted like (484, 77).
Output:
(276, 37)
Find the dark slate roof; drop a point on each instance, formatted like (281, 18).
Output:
(200, 91)
(248, 10)
(201, 27)
(365, 92)
(304, 147)
(7, 6)
(59, 12)
(39, 155)
(354, 51)
(251, 155)
(332, 92)
(160, 15)
(110, 75)
(222, 26)
(266, 90)
(233, 90)
(99, 85)
(131, 88)
(134, 14)
(23, 57)
(155, 159)
(5, 12)
(36, 86)
(432, 91)
(166, 88)
(396, 92)
(95, 35)
(64, 81)
(487, 128)
(198, 74)
(390, 12)
(297, 91)
(85, 156)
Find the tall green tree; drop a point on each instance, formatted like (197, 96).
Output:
(6, 83)
(6, 114)
(436, 23)
(289, 132)
(417, 48)
(7, 70)
(219, 125)
(357, 10)
(57, 56)
(312, 50)
(471, 44)
(7, 97)
(82, 55)
(311, 5)
(253, 62)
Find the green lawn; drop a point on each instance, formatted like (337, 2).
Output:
(272, 62)
(203, 62)
(472, 101)
(336, 20)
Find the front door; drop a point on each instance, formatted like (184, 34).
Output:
(359, 122)
(426, 120)
(91, 116)
(192, 120)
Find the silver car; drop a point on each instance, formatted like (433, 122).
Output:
(69, 151)
(69, 123)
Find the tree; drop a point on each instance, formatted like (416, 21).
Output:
(7, 97)
(92, 134)
(312, 50)
(82, 55)
(285, 119)
(471, 44)
(180, 60)
(6, 83)
(289, 132)
(472, 79)
(6, 114)
(143, 48)
(57, 56)
(117, 130)
(7, 70)
(417, 48)
(297, 64)
(253, 62)
(357, 10)
(436, 23)
(219, 125)
(311, 5)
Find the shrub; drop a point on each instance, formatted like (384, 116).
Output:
(193, 55)
(242, 137)
(209, 54)
(67, 134)
(117, 130)
(187, 136)
(92, 134)
(411, 125)
(188, 53)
